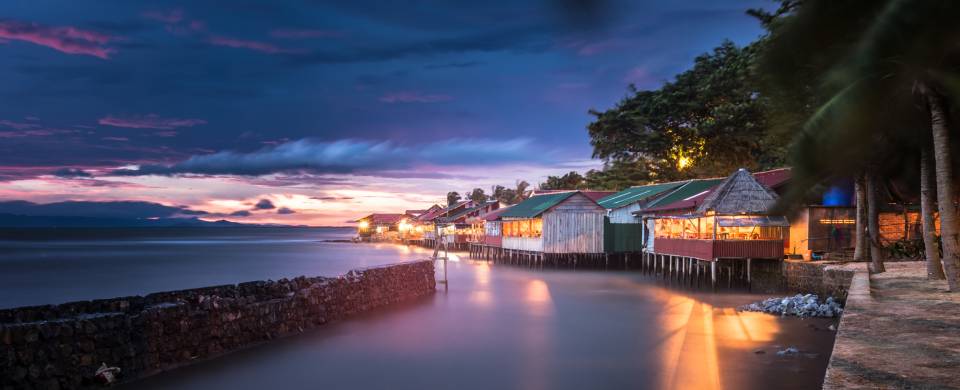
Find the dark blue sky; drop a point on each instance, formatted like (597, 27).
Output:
(441, 88)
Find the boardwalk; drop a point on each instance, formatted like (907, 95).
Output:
(899, 331)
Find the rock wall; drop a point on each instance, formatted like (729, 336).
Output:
(61, 346)
(819, 277)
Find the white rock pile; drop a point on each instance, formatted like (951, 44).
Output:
(798, 305)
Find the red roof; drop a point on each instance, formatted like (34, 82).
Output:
(383, 219)
(593, 195)
(495, 214)
(773, 179)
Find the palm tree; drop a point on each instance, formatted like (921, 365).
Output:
(949, 222)
(861, 248)
(867, 63)
(928, 194)
(873, 223)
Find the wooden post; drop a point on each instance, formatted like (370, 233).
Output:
(713, 272)
(748, 271)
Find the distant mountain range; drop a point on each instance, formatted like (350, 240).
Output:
(37, 221)
(113, 214)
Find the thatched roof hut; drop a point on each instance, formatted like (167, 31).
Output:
(740, 193)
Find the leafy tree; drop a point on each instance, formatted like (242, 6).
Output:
(708, 121)
(884, 79)
(510, 195)
(569, 181)
(478, 196)
(452, 198)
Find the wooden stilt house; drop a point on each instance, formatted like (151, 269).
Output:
(732, 222)
(623, 232)
(567, 222)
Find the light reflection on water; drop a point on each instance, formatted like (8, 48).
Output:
(505, 327)
(497, 327)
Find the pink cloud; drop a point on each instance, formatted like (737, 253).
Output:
(66, 39)
(263, 47)
(17, 125)
(149, 121)
(413, 97)
(28, 133)
(170, 17)
(301, 34)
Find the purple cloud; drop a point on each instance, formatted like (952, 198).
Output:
(264, 204)
(240, 213)
(66, 39)
(284, 211)
(149, 121)
(288, 33)
(413, 97)
(351, 156)
(263, 47)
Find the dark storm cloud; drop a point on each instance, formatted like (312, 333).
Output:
(126, 209)
(71, 173)
(410, 73)
(264, 204)
(349, 156)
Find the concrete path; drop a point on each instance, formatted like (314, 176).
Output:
(898, 331)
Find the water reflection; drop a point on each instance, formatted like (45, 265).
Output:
(505, 327)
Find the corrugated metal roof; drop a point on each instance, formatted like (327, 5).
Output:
(773, 178)
(686, 196)
(382, 218)
(534, 206)
(495, 214)
(636, 194)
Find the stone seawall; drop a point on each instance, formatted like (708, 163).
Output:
(61, 346)
(823, 278)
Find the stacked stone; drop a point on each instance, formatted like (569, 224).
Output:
(61, 346)
(817, 278)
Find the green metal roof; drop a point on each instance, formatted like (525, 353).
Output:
(690, 189)
(536, 205)
(636, 194)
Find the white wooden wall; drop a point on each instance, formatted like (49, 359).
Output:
(574, 226)
(523, 243)
(625, 214)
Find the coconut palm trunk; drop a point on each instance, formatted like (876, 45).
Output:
(949, 222)
(873, 223)
(928, 193)
(861, 248)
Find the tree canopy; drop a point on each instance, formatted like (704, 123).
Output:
(709, 121)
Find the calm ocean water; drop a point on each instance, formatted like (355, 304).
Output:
(41, 266)
(495, 327)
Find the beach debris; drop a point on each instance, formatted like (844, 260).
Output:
(832, 328)
(107, 375)
(790, 351)
(799, 305)
(759, 352)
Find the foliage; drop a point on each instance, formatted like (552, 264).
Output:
(452, 198)
(478, 196)
(569, 181)
(708, 121)
(510, 195)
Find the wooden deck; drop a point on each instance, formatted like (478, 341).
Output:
(716, 249)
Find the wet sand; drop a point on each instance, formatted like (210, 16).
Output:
(505, 327)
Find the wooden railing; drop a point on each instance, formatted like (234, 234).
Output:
(712, 249)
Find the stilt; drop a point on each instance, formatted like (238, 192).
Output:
(713, 272)
(748, 271)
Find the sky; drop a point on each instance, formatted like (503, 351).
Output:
(319, 112)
